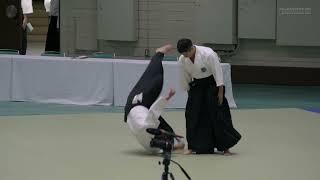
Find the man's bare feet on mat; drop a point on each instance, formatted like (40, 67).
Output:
(165, 49)
(187, 152)
(227, 153)
(178, 146)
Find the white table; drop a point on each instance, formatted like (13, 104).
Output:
(65, 80)
(127, 73)
(5, 78)
(62, 80)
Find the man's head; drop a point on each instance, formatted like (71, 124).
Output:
(185, 47)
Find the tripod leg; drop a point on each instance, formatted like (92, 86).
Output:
(164, 176)
(172, 177)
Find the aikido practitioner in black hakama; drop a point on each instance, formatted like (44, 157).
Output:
(208, 118)
(144, 106)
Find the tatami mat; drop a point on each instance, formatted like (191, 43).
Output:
(277, 144)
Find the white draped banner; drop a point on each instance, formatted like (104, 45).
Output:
(65, 80)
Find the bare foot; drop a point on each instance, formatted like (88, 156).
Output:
(227, 153)
(178, 146)
(187, 152)
(165, 49)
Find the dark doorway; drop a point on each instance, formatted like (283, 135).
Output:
(11, 21)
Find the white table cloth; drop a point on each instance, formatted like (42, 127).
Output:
(127, 73)
(89, 81)
(62, 80)
(5, 78)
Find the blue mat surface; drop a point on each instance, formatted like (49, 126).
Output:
(315, 110)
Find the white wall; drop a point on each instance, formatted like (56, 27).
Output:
(165, 21)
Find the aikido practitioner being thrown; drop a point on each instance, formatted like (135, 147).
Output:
(144, 106)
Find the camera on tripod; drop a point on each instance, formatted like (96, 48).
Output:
(164, 140)
(165, 145)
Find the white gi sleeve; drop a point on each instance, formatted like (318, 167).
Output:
(47, 5)
(184, 78)
(155, 111)
(214, 63)
(26, 6)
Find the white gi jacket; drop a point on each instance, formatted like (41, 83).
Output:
(47, 5)
(206, 63)
(140, 118)
(26, 6)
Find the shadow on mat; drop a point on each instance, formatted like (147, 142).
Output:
(139, 152)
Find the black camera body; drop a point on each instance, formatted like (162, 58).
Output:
(165, 145)
(162, 139)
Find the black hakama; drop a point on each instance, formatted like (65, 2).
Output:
(209, 125)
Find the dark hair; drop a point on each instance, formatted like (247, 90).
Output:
(184, 45)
